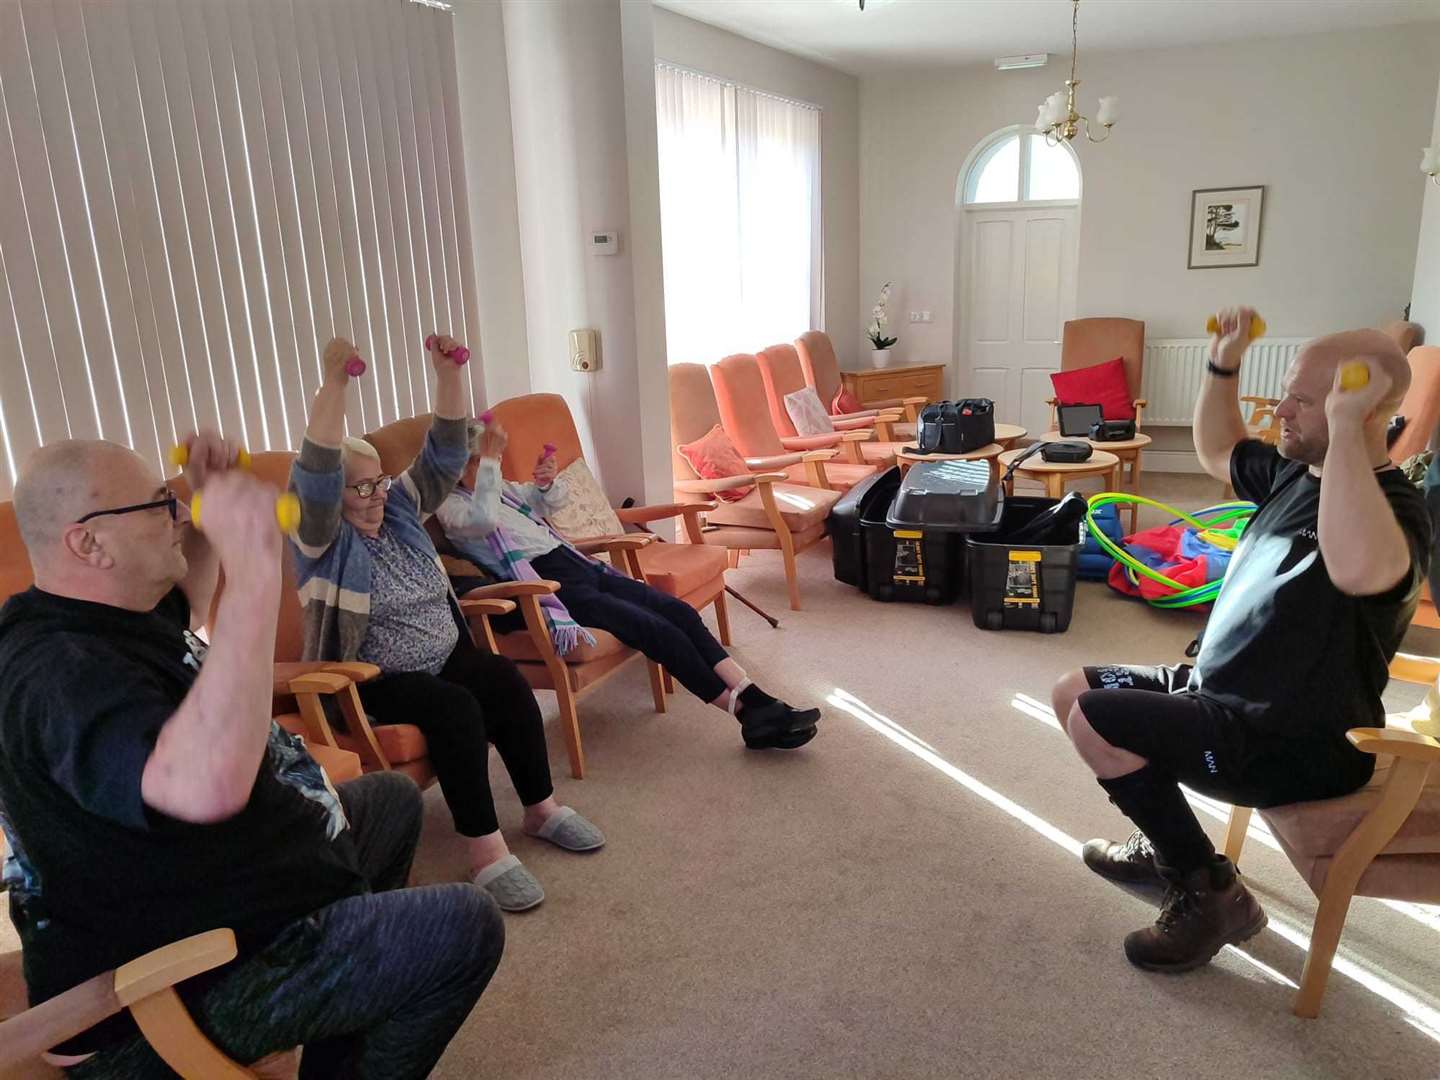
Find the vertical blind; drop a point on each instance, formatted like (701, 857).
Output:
(196, 194)
(740, 216)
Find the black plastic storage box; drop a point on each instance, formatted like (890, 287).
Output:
(1023, 586)
(915, 543)
(847, 542)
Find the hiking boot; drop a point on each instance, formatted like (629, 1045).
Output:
(1203, 911)
(776, 725)
(1131, 863)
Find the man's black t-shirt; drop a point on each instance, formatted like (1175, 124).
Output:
(1284, 647)
(97, 877)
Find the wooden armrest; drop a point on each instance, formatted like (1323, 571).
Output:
(1140, 402)
(819, 455)
(637, 515)
(487, 607)
(726, 483)
(775, 461)
(1414, 669)
(1260, 400)
(319, 682)
(1052, 401)
(505, 590)
(864, 435)
(914, 401)
(24, 1037)
(1396, 742)
(356, 670)
(612, 544)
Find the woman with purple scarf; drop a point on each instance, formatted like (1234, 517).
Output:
(501, 526)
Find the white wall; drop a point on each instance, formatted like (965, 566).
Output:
(1426, 288)
(1331, 124)
(704, 48)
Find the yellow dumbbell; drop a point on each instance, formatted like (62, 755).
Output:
(1257, 326)
(287, 511)
(180, 457)
(1354, 375)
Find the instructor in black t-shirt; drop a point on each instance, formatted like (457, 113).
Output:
(1316, 600)
(147, 795)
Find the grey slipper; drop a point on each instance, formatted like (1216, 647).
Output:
(569, 830)
(513, 887)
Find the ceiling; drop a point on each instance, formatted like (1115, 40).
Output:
(895, 34)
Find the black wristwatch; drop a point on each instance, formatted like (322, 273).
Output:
(1220, 372)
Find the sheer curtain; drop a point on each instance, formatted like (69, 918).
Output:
(196, 194)
(740, 216)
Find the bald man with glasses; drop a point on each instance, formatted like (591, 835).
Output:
(147, 795)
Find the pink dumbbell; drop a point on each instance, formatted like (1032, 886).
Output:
(486, 416)
(460, 354)
(355, 367)
(548, 450)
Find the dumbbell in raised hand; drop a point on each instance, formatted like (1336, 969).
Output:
(460, 354)
(355, 367)
(1257, 326)
(1354, 375)
(287, 503)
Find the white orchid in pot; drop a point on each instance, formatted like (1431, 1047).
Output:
(879, 319)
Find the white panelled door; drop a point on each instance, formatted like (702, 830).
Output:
(1019, 266)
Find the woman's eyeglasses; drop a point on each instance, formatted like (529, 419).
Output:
(367, 488)
(169, 502)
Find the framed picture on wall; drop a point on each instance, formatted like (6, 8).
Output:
(1225, 227)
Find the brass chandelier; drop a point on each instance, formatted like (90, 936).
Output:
(1057, 119)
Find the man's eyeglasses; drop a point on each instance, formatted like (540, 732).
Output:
(366, 488)
(169, 502)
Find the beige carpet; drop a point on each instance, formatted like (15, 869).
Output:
(901, 905)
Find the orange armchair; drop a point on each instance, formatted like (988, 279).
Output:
(822, 371)
(1093, 341)
(531, 649)
(776, 514)
(782, 374)
(745, 416)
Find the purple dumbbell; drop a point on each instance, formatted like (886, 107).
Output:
(460, 354)
(355, 367)
(548, 450)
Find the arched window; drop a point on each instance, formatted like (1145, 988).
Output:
(1016, 166)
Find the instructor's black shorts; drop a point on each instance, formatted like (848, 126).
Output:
(1209, 748)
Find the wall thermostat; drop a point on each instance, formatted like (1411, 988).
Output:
(584, 350)
(604, 242)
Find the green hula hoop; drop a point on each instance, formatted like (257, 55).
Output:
(1184, 596)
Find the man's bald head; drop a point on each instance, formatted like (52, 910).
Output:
(1374, 346)
(64, 481)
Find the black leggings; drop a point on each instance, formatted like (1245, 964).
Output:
(663, 627)
(478, 698)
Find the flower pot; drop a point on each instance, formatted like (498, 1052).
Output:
(880, 357)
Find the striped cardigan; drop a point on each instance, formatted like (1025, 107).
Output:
(332, 563)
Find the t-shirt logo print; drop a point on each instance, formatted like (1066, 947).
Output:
(197, 650)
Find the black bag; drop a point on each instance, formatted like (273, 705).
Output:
(1112, 430)
(1069, 453)
(956, 427)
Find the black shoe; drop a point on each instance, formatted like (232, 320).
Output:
(776, 725)
(1203, 912)
(1131, 863)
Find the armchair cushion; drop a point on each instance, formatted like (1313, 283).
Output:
(587, 510)
(521, 647)
(844, 402)
(400, 743)
(1099, 384)
(714, 457)
(807, 412)
(680, 569)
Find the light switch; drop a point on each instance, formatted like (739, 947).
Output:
(585, 350)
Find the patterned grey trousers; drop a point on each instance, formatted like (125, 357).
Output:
(371, 986)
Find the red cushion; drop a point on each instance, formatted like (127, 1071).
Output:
(845, 402)
(1099, 384)
(714, 457)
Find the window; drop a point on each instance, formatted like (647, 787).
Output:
(1018, 162)
(197, 196)
(740, 216)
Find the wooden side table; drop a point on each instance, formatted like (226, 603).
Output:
(1055, 474)
(906, 456)
(1008, 434)
(903, 380)
(1127, 450)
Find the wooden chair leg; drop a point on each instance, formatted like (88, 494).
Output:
(570, 728)
(732, 557)
(1375, 831)
(669, 681)
(657, 685)
(1235, 832)
(722, 619)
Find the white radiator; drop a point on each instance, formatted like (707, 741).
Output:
(1175, 366)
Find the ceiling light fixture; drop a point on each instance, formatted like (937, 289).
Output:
(1057, 119)
(1024, 60)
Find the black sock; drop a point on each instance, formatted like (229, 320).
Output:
(753, 695)
(1155, 803)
